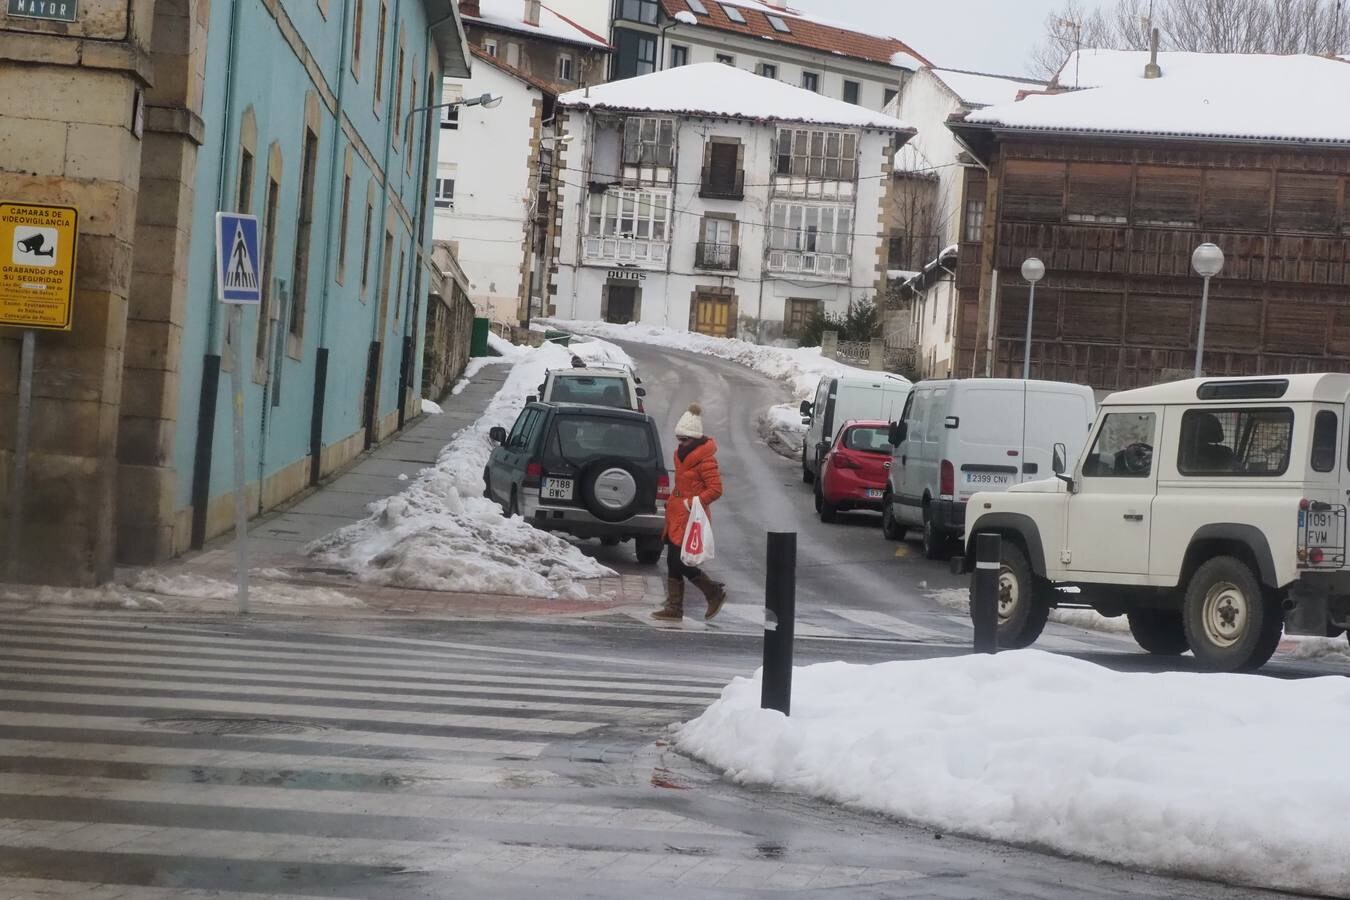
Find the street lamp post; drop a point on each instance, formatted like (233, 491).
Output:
(1207, 260)
(1033, 270)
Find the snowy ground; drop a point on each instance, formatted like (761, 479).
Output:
(1232, 777)
(155, 589)
(782, 428)
(801, 367)
(442, 534)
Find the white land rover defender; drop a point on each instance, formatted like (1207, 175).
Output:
(1211, 513)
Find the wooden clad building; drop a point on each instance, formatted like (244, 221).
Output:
(1113, 187)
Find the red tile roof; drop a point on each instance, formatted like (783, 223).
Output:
(805, 32)
(534, 81)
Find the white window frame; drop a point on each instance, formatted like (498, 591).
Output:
(445, 199)
(650, 141)
(811, 238)
(817, 154)
(626, 225)
(565, 66)
(490, 46)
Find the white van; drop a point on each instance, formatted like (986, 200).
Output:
(960, 436)
(844, 399)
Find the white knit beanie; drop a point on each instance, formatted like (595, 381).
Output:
(691, 423)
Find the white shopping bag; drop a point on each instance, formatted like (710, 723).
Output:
(697, 546)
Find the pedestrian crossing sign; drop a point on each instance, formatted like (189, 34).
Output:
(239, 274)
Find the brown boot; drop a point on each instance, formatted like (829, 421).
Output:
(673, 611)
(715, 592)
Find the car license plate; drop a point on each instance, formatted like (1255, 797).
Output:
(989, 479)
(1324, 530)
(557, 489)
(873, 494)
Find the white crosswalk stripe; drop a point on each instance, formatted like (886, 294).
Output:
(223, 754)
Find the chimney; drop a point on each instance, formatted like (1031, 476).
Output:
(532, 12)
(470, 8)
(1153, 70)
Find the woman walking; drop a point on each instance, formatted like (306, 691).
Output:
(696, 475)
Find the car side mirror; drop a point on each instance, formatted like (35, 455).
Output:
(806, 410)
(899, 431)
(497, 434)
(642, 392)
(637, 380)
(531, 398)
(1059, 465)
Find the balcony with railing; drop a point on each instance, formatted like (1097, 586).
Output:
(719, 257)
(833, 266)
(624, 249)
(720, 184)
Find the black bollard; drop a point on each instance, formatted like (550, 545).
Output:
(780, 610)
(984, 592)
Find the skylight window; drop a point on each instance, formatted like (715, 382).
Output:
(733, 14)
(697, 6)
(778, 24)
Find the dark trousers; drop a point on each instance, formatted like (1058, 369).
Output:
(675, 567)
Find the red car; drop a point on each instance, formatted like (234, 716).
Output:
(853, 474)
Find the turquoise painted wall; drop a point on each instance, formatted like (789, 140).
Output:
(268, 78)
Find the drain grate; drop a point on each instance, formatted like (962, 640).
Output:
(227, 725)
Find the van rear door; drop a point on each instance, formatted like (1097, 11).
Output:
(986, 437)
(1054, 415)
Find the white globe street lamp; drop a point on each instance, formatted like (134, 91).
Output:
(1207, 260)
(1033, 270)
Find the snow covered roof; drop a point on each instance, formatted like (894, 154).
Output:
(1232, 97)
(910, 160)
(715, 89)
(803, 30)
(509, 15)
(976, 89)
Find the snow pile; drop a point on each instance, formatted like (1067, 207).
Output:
(441, 534)
(783, 430)
(801, 367)
(192, 586)
(1233, 777)
(595, 352)
(1337, 649)
(431, 408)
(502, 347)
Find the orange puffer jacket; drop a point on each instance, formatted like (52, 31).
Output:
(696, 475)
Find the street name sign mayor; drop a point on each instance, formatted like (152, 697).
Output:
(53, 10)
(37, 265)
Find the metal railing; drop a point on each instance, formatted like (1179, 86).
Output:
(723, 257)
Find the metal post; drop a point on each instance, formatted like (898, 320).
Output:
(23, 427)
(1026, 357)
(780, 610)
(984, 592)
(1200, 338)
(240, 491)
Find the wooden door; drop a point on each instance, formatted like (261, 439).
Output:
(712, 315)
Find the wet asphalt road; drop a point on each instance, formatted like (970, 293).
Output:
(159, 757)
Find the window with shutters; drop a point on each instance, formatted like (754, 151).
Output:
(628, 226)
(1237, 200)
(722, 175)
(1307, 203)
(1168, 197)
(1099, 194)
(1033, 191)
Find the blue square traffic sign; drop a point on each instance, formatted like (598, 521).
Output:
(239, 274)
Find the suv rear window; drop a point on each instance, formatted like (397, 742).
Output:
(1227, 442)
(869, 440)
(590, 389)
(579, 438)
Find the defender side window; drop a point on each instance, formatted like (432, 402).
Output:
(518, 430)
(1243, 442)
(1124, 447)
(1323, 456)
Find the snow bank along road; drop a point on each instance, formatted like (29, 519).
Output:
(850, 582)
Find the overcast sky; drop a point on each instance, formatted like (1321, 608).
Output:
(985, 35)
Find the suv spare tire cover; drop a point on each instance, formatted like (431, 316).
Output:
(612, 488)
